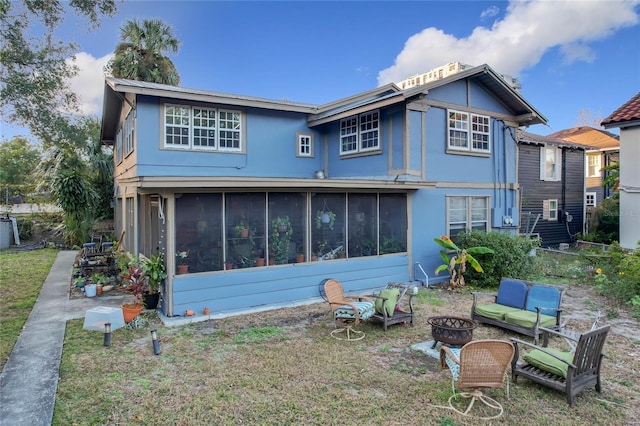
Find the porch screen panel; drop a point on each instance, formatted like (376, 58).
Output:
(328, 224)
(245, 229)
(363, 224)
(393, 223)
(199, 231)
(287, 226)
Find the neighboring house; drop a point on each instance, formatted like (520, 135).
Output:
(603, 149)
(627, 118)
(551, 178)
(373, 177)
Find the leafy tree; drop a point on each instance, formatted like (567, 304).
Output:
(140, 54)
(17, 160)
(35, 72)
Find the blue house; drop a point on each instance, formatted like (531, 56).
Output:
(254, 202)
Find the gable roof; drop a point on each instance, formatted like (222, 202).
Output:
(533, 139)
(625, 116)
(390, 94)
(595, 139)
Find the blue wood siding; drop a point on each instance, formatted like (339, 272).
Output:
(227, 292)
(416, 130)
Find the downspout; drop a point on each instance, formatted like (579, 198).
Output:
(563, 177)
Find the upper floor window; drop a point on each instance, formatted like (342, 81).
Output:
(304, 146)
(590, 199)
(199, 128)
(550, 163)
(468, 132)
(360, 133)
(128, 134)
(118, 148)
(593, 165)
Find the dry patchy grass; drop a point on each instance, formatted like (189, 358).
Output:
(282, 367)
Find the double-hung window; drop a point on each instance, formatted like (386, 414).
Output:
(467, 213)
(468, 132)
(593, 165)
(128, 134)
(304, 146)
(201, 128)
(550, 163)
(360, 133)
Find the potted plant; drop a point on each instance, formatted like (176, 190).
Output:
(241, 230)
(156, 271)
(98, 280)
(137, 283)
(281, 233)
(325, 217)
(341, 253)
(183, 267)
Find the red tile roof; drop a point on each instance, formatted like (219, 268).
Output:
(630, 111)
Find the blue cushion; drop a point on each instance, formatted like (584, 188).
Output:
(544, 297)
(364, 308)
(512, 293)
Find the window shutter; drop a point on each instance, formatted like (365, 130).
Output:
(543, 162)
(545, 209)
(558, 176)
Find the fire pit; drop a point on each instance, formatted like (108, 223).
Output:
(453, 331)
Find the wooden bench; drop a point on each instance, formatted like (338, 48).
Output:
(520, 306)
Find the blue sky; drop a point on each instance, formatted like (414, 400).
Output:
(568, 55)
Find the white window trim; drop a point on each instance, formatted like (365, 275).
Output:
(303, 138)
(558, 163)
(359, 132)
(119, 146)
(469, 221)
(548, 213)
(217, 128)
(586, 199)
(468, 130)
(598, 156)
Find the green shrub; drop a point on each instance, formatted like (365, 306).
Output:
(605, 222)
(511, 257)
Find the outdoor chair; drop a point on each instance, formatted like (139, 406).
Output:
(389, 308)
(478, 364)
(348, 310)
(567, 371)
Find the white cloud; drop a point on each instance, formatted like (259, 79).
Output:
(489, 12)
(518, 41)
(88, 85)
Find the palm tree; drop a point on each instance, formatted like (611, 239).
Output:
(140, 54)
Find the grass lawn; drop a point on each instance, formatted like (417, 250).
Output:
(282, 368)
(22, 274)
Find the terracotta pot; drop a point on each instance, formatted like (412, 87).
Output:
(314, 258)
(98, 290)
(342, 255)
(260, 261)
(206, 311)
(272, 261)
(130, 311)
(244, 233)
(183, 269)
(300, 258)
(189, 313)
(229, 266)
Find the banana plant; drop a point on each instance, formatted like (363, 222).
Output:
(456, 263)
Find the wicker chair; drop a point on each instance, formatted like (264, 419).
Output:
(478, 364)
(566, 371)
(348, 310)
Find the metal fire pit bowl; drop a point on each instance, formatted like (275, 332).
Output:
(454, 331)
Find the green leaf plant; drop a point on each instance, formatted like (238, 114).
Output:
(455, 260)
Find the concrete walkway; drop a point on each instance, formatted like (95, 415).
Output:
(29, 380)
